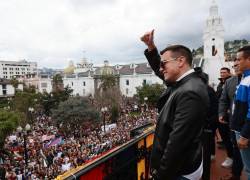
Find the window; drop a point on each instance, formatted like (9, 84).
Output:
(84, 83)
(72, 83)
(17, 69)
(83, 92)
(126, 91)
(144, 81)
(43, 85)
(127, 82)
(4, 89)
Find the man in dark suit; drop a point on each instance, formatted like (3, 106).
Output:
(177, 147)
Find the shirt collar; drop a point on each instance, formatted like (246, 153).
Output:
(185, 74)
(246, 73)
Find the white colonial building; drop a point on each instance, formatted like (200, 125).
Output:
(85, 79)
(7, 89)
(44, 83)
(10, 69)
(135, 75)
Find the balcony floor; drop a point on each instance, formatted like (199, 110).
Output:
(217, 172)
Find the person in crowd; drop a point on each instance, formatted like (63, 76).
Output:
(210, 126)
(177, 147)
(224, 128)
(225, 109)
(241, 110)
(224, 75)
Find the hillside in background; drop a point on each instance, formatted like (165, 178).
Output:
(231, 48)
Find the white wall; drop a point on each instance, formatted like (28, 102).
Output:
(10, 90)
(43, 81)
(136, 81)
(77, 84)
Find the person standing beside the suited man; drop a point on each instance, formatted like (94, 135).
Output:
(241, 107)
(177, 147)
(224, 128)
(225, 109)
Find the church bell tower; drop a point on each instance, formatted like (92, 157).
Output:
(213, 39)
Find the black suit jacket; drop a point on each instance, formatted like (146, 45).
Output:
(177, 148)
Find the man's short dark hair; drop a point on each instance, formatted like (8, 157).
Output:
(226, 69)
(245, 50)
(180, 50)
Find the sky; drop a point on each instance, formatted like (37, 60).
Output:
(52, 32)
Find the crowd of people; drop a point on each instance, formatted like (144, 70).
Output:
(50, 152)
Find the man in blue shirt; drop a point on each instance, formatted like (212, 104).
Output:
(241, 107)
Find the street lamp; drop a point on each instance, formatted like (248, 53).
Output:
(104, 110)
(24, 132)
(30, 111)
(145, 103)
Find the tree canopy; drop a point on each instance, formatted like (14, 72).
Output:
(152, 92)
(24, 100)
(109, 94)
(51, 100)
(74, 113)
(8, 122)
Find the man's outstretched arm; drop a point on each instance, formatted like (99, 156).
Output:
(151, 53)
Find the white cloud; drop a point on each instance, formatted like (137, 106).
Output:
(54, 31)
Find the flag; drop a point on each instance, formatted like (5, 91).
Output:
(54, 142)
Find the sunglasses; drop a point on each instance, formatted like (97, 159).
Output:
(165, 61)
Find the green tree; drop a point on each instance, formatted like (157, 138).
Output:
(3, 103)
(8, 122)
(109, 94)
(14, 82)
(152, 92)
(51, 100)
(75, 113)
(22, 101)
(57, 83)
(108, 81)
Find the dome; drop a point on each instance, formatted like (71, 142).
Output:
(106, 70)
(70, 69)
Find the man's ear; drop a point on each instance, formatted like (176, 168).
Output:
(182, 61)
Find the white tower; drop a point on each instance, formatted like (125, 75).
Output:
(213, 38)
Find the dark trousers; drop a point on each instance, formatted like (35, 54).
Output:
(207, 151)
(212, 141)
(225, 133)
(237, 161)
